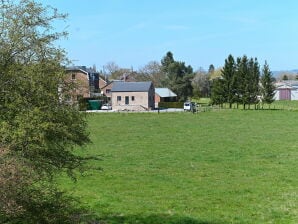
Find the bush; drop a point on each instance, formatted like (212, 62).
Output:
(83, 104)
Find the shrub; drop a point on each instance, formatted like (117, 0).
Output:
(170, 104)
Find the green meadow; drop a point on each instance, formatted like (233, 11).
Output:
(225, 166)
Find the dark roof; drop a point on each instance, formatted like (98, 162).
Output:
(131, 86)
(81, 68)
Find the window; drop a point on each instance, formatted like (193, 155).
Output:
(73, 76)
(118, 98)
(108, 90)
(132, 98)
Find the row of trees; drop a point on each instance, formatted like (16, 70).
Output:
(239, 81)
(242, 82)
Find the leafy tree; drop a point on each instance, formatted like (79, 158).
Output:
(152, 72)
(111, 68)
(216, 73)
(38, 129)
(201, 84)
(267, 83)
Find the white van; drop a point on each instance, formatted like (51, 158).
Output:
(189, 106)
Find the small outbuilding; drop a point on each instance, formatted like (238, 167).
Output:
(286, 90)
(164, 95)
(133, 96)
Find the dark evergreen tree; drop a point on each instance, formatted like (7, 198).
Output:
(285, 77)
(167, 60)
(267, 83)
(228, 79)
(178, 76)
(239, 82)
(211, 69)
(255, 82)
(243, 81)
(217, 91)
(252, 81)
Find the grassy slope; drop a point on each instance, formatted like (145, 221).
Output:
(215, 167)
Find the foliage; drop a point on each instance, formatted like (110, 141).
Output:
(240, 82)
(201, 84)
(286, 75)
(229, 80)
(170, 104)
(215, 167)
(178, 76)
(152, 72)
(267, 85)
(38, 130)
(216, 73)
(211, 69)
(217, 91)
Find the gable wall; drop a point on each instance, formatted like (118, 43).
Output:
(81, 84)
(140, 102)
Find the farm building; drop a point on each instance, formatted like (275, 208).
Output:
(286, 90)
(164, 95)
(133, 96)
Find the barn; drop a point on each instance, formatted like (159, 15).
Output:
(286, 90)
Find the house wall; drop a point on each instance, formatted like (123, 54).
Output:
(157, 98)
(142, 101)
(101, 83)
(106, 90)
(284, 94)
(276, 95)
(81, 84)
(294, 94)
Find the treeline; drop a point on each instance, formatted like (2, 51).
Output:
(169, 73)
(240, 81)
(243, 82)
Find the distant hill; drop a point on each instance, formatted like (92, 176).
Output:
(292, 72)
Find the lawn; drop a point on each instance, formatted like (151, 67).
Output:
(227, 166)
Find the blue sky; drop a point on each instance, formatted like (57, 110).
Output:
(198, 32)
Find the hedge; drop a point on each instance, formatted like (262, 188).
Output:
(170, 104)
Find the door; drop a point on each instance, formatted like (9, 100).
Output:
(127, 100)
(285, 94)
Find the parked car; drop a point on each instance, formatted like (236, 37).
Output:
(189, 106)
(106, 106)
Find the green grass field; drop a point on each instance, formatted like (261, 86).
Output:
(228, 166)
